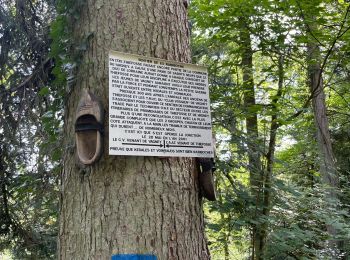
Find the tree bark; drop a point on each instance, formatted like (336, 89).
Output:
(128, 204)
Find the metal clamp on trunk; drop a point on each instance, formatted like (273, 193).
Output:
(86, 126)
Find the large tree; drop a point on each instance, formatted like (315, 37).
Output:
(127, 204)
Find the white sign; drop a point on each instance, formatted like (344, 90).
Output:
(158, 108)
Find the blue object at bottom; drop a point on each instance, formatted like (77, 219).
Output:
(133, 257)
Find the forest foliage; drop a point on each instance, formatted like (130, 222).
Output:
(279, 78)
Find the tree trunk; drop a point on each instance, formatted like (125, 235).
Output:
(128, 204)
(270, 156)
(255, 171)
(326, 155)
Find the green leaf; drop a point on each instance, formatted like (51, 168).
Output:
(44, 91)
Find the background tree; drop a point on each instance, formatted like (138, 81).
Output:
(279, 42)
(28, 172)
